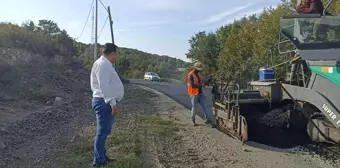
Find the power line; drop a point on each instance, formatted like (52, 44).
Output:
(88, 16)
(103, 27)
(103, 5)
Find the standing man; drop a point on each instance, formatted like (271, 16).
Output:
(195, 90)
(107, 90)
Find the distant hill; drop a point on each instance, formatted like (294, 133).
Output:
(134, 63)
(47, 39)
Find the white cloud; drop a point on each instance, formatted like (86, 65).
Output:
(249, 13)
(230, 12)
(164, 4)
(122, 30)
(150, 23)
(152, 28)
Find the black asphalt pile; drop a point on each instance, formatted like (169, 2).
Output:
(269, 129)
(276, 118)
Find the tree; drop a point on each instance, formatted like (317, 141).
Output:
(29, 25)
(46, 38)
(246, 44)
(266, 41)
(134, 63)
(49, 27)
(235, 58)
(222, 34)
(205, 48)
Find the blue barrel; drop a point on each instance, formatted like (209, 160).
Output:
(266, 74)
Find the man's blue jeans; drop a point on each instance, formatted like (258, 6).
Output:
(104, 127)
(195, 100)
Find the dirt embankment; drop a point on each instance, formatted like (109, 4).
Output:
(33, 126)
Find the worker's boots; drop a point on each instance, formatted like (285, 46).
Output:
(206, 122)
(194, 122)
(211, 123)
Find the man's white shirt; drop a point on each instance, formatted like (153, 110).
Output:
(105, 82)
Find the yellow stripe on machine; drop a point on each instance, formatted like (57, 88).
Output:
(327, 69)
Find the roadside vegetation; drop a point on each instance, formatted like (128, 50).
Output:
(237, 50)
(46, 38)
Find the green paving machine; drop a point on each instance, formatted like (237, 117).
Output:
(310, 95)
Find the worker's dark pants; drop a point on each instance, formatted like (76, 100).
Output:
(104, 126)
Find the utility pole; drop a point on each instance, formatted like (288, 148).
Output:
(111, 29)
(92, 38)
(95, 33)
(111, 23)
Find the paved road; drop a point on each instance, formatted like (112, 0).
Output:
(177, 92)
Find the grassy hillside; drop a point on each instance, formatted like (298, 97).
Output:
(134, 63)
(47, 39)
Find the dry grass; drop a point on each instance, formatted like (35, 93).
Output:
(125, 144)
(159, 126)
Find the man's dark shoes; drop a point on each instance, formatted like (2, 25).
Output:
(207, 121)
(213, 125)
(109, 160)
(99, 164)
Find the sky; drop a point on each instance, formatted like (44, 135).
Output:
(156, 26)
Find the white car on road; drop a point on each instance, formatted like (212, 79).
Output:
(151, 76)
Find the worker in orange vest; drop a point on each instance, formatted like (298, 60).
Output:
(195, 90)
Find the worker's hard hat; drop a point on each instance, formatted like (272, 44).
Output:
(198, 66)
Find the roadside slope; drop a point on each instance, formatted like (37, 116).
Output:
(43, 100)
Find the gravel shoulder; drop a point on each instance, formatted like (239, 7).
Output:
(215, 149)
(154, 131)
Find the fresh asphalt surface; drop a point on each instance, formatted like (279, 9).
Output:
(275, 138)
(177, 92)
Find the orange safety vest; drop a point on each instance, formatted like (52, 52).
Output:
(192, 91)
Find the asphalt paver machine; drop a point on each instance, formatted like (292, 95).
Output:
(309, 97)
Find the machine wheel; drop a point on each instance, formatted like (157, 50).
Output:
(325, 126)
(313, 133)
